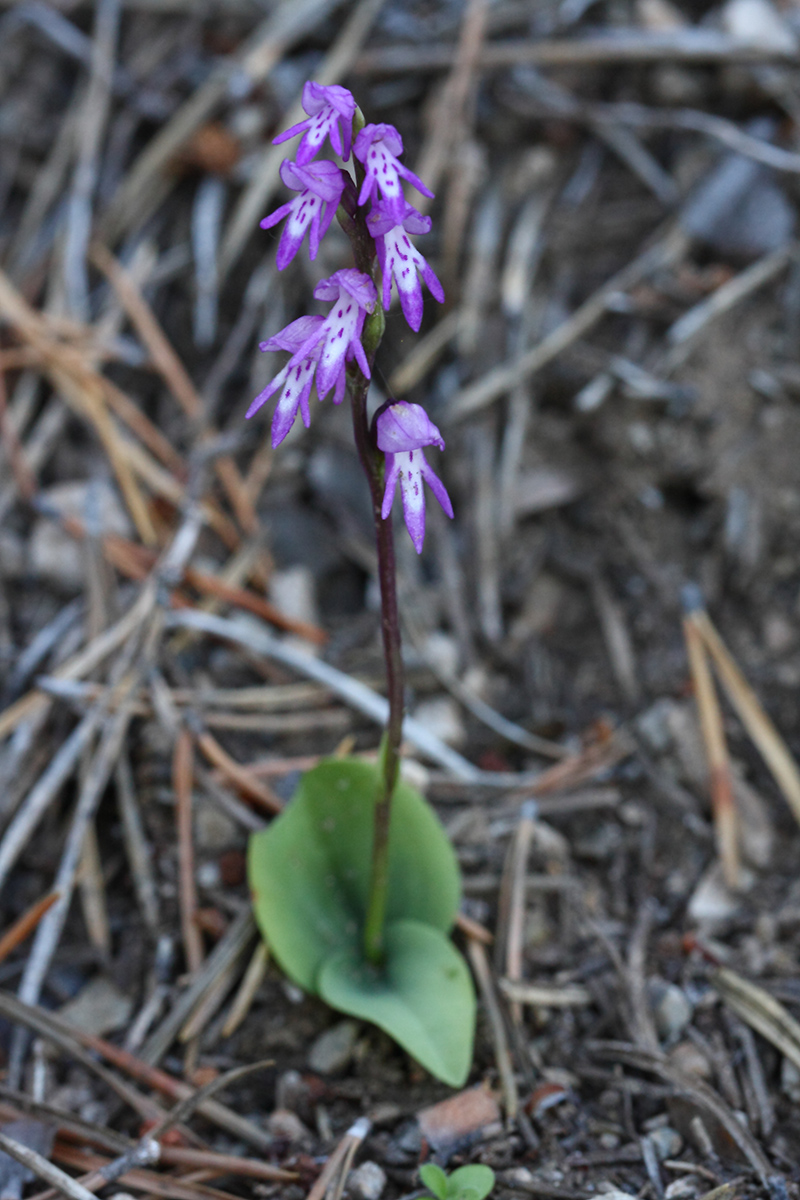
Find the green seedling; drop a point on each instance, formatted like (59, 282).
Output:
(473, 1182)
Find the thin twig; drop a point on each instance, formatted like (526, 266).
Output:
(768, 741)
(505, 1069)
(182, 785)
(45, 1170)
(24, 926)
(723, 802)
(621, 46)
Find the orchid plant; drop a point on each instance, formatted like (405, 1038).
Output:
(355, 884)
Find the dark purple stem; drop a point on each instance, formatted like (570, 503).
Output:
(372, 460)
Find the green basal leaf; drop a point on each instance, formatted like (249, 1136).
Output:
(422, 996)
(309, 870)
(473, 1182)
(434, 1179)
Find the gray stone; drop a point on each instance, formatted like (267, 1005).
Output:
(367, 1181)
(99, 1007)
(790, 1080)
(666, 1142)
(293, 591)
(442, 716)
(685, 1188)
(653, 725)
(286, 1126)
(712, 903)
(671, 1009)
(291, 1091)
(738, 208)
(213, 829)
(332, 1051)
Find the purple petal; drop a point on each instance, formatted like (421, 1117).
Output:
(434, 286)
(355, 283)
(403, 426)
(290, 133)
(381, 222)
(331, 364)
(276, 216)
(408, 174)
(293, 335)
(360, 357)
(317, 96)
(392, 475)
(437, 487)
(412, 303)
(412, 494)
(340, 389)
(294, 230)
(264, 396)
(377, 133)
(323, 179)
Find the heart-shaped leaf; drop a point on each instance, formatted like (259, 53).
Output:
(309, 870)
(422, 996)
(434, 1180)
(472, 1182)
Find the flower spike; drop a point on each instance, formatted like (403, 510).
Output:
(377, 147)
(326, 107)
(401, 261)
(403, 429)
(320, 186)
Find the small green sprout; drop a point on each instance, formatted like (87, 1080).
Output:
(473, 1182)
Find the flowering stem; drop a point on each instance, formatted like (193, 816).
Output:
(372, 460)
(372, 463)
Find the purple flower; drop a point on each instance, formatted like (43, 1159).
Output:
(321, 347)
(403, 429)
(401, 261)
(296, 377)
(339, 336)
(325, 107)
(377, 147)
(320, 185)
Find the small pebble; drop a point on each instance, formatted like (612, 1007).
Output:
(208, 875)
(671, 1009)
(683, 1189)
(520, 1175)
(292, 992)
(758, 23)
(790, 1080)
(286, 1126)
(367, 1181)
(293, 591)
(666, 1142)
(690, 1059)
(331, 1052)
(653, 725)
(213, 829)
(291, 1091)
(609, 1141)
(711, 903)
(100, 1008)
(442, 716)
